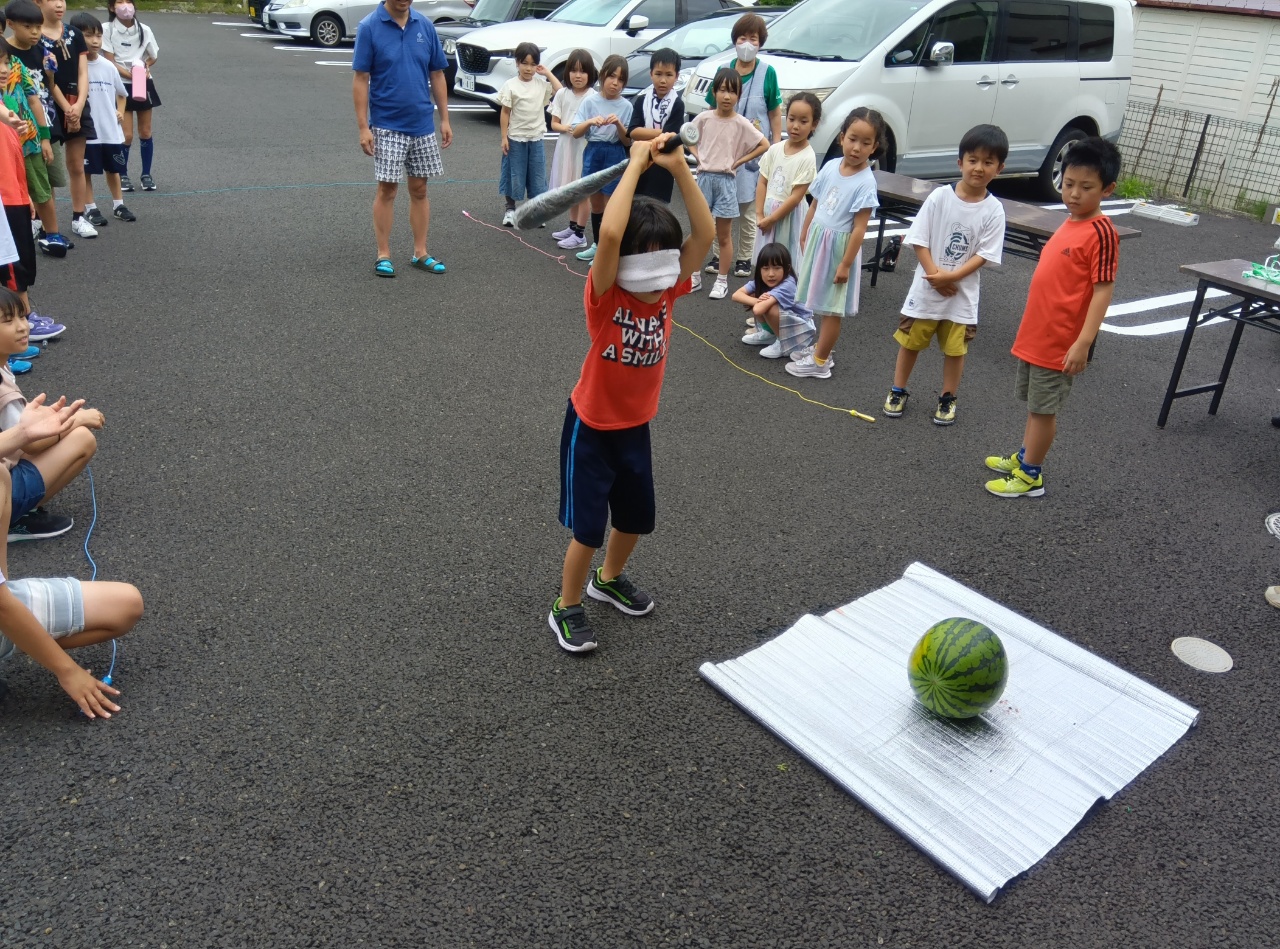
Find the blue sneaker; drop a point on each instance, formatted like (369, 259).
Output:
(31, 353)
(43, 328)
(18, 366)
(55, 245)
(588, 254)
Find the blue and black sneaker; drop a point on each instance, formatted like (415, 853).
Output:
(570, 625)
(621, 592)
(54, 245)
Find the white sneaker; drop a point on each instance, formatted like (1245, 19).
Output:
(759, 338)
(773, 351)
(808, 367)
(83, 228)
(573, 241)
(695, 281)
(751, 322)
(36, 228)
(719, 289)
(806, 352)
(561, 235)
(509, 219)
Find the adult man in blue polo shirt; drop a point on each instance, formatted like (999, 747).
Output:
(399, 68)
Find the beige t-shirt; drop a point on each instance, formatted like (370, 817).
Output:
(528, 103)
(724, 141)
(784, 172)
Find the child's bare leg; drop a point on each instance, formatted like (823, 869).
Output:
(581, 213)
(1037, 437)
(110, 610)
(616, 553)
(771, 318)
(952, 370)
(88, 189)
(828, 333)
(113, 185)
(577, 564)
(906, 362)
(59, 464)
(74, 148)
(6, 510)
(48, 214)
(724, 242)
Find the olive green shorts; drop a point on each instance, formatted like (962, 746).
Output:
(1044, 390)
(58, 170)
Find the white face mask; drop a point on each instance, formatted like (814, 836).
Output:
(649, 273)
(747, 51)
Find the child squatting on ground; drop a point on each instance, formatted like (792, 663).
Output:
(1066, 303)
(45, 617)
(606, 468)
(957, 230)
(523, 122)
(782, 324)
(726, 142)
(844, 195)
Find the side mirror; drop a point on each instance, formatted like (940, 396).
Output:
(942, 53)
(635, 23)
(901, 57)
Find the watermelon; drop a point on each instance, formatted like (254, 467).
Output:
(958, 668)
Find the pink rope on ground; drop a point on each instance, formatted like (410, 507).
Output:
(560, 259)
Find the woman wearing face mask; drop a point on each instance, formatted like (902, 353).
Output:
(761, 104)
(125, 41)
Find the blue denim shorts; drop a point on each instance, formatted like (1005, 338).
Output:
(721, 191)
(598, 156)
(524, 170)
(28, 489)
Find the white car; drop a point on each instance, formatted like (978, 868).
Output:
(328, 22)
(486, 57)
(1048, 73)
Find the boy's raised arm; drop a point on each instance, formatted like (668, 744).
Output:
(604, 269)
(702, 226)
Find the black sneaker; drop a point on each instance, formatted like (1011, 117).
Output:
(39, 525)
(124, 214)
(125, 183)
(96, 218)
(572, 630)
(742, 268)
(713, 265)
(148, 183)
(621, 592)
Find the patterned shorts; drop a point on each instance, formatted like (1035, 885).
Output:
(396, 154)
(58, 605)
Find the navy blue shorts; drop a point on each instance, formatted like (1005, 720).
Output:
(101, 158)
(28, 489)
(598, 156)
(603, 473)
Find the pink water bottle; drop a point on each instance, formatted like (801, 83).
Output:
(139, 82)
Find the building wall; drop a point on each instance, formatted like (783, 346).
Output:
(1208, 62)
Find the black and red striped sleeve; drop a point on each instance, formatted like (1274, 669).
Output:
(1106, 255)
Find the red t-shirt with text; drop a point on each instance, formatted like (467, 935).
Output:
(1078, 255)
(622, 374)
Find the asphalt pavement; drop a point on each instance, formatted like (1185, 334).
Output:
(345, 721)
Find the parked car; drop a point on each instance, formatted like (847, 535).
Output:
(328, 22)
(694, 41)
(486, 57)
(1048, 72)
(487, 13)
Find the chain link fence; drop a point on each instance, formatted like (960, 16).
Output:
(1202, 160)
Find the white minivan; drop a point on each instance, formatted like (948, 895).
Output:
(1048, 72)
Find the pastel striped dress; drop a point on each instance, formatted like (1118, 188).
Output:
(837, 200)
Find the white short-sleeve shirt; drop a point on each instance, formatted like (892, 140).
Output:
(953, 230)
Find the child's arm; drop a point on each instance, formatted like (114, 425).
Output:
(120, 103)
(548, 75)
(775, 123)
(604, 268)
(1077, 358)
(25, 632)
(746, 299)
(931, 270)
(785, 208)
(594, 122)
(702, 226)
(856, 236)
(504, 122)
(761, 147)
(946, 280)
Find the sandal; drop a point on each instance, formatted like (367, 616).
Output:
(384, 267)
(429, 264)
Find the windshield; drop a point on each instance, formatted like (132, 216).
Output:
(696, 40)
(837, 29)
(588, 12)
(490, 11)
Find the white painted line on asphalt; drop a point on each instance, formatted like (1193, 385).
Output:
(312, 49)
(333, 62)
(258, 36)
(244, 24)
(1163, 328)
(1159, 303)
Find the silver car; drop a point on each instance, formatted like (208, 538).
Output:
(328, 22)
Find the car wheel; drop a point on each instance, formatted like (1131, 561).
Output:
(1049, 181)
(326, 30)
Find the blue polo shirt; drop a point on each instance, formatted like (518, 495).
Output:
(399, 63)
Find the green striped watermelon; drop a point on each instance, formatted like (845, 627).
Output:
(959, 668)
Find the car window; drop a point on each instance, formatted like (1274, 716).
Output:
(971, 26)
(491, 11)
(837, 29)
(1037, 32)
(661, 13)
(589, 12)
(700, 8)
(696, 40)
(1097, 33)
(535, 8)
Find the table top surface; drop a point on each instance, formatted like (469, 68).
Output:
(1038, 221)
(1229, 275)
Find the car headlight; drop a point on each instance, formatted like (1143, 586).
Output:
(820, 93)
(450, 47)
(293, 4)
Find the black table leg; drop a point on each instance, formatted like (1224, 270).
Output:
(875, 261)
(1226, 363)
(1182, 355)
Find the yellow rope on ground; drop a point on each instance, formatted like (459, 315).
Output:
(804, 398)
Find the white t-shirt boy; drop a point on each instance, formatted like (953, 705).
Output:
(105, 84)
(528, 104)
(953, 230)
